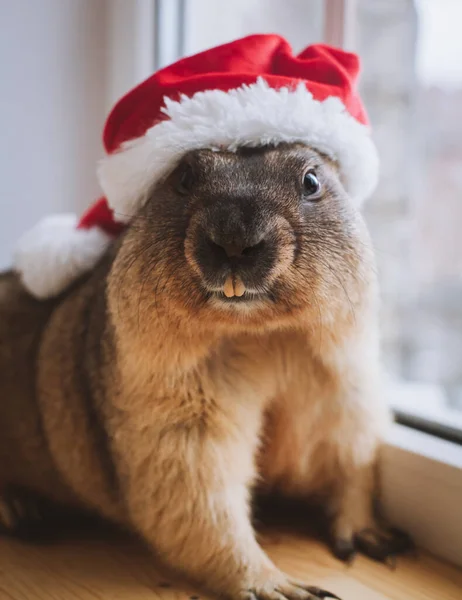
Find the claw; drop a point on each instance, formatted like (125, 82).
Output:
(344, 550)
(402, 541)
(322, 593)
(390, 561)
(383, 546)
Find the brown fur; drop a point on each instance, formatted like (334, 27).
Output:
(136, 396)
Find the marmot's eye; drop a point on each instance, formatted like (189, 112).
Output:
(185, 179)
(311, 185)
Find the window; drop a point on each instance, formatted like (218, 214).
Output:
(412, 86)
(188, 26)
(243, 17)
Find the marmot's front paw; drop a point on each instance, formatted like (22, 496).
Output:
(35, 519)
(19, 515)
(379, 543)
(284, 590)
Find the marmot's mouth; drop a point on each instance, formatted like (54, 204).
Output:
(234, 299)
(246, 298)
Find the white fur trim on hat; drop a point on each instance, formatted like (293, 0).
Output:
(55, 253)
(251, 115)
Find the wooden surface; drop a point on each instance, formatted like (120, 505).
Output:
(116, 569)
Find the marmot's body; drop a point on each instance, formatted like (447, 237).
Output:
(146, 394)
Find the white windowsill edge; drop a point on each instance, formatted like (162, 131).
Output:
(421, 481)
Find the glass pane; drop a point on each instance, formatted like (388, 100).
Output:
(412, 86)
(210, 22)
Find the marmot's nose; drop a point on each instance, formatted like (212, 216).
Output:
(249, 254)
(235, 251)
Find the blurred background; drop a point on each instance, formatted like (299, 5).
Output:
(63, 63)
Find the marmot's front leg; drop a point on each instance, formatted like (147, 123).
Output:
(323, 437)
(355, 524)
(190, 502)
(352, 454)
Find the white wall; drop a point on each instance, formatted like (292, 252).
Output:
(53, 101)
(130, 45)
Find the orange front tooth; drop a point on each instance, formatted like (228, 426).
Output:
(239, 287)
(228, 288)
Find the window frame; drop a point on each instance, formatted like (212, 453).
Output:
(414, 464)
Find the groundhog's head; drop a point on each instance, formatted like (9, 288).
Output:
(260, 237)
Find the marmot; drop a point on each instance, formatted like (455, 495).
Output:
(226, 342)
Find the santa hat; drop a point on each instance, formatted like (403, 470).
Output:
(250, 92)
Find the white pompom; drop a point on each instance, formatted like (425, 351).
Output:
(55, 253)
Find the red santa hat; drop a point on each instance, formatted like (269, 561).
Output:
(250, 92)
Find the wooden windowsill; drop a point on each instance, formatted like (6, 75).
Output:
(121, 570)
